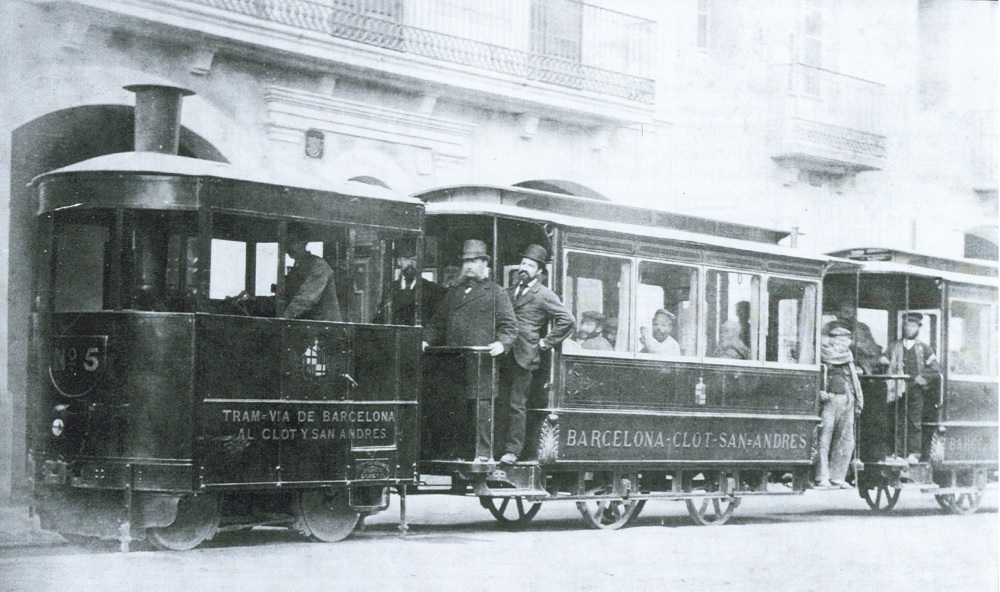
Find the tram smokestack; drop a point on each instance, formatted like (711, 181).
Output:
(158, 117)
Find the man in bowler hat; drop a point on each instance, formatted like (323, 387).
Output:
(917, 360)
(535, 306)
(475, 312)
(404, 293)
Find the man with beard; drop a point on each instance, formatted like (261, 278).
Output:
(661, 342)
(535, 306)
(474, 312)
(589, 334)
(404, 294)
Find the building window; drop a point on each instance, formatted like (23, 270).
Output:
(812, 46)
(557, 28)
(703, 15)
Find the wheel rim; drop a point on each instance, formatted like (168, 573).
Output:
(608, 514)
(880, 496)
(197, 520)
(325, 515)
(510, 514)
(712, 511)
(962, 503)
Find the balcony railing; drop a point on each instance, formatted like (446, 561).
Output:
(833, 117)
(562, 42)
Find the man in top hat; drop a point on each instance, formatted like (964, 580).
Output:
(309, 285)
(917, 360)
(474, 312)
(661, 341)
(535, 306)
(404, 293)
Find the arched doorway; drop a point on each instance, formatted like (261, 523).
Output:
(49, 142)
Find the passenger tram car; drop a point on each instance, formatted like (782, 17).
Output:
(956, 301)
(727, 414)
(170, 398)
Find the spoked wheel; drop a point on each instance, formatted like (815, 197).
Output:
(325, 514)
(712, 511)
(197, 520)
(879, 494)
(512, 515)
(608, 514)
(960, 503)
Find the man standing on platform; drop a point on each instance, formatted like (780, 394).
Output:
(535, 306)
(917, 360)
(475, 312)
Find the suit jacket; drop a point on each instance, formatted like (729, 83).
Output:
(474, 318)
(312, 291)
(404, 303)
(534, 309)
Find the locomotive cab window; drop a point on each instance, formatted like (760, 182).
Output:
(82, 262)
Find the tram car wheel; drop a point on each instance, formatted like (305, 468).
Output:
(712, 511)
(197, 520)
(325, 515)
(510, 515)
(960, 503)
(879, 491)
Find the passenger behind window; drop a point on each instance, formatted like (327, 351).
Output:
(659, 340)
(589, 334)
(731, 345)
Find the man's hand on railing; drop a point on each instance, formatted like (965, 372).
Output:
(496, 348)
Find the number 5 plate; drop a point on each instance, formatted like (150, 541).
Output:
(76, 362)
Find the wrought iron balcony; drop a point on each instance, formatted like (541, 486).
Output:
(827, 121)
(561, 42)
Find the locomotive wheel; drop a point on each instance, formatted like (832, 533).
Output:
(712, 511)
(960, 503)
(510, 516)
(197, 519)
(608, 514)
(880, 496)
(325, 515)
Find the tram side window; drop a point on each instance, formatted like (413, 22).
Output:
(791, 321)
(159, 261)
(80, 261)
(972, 339)
(243, 275)
(598, 291)
(732, 302)
(666, 312)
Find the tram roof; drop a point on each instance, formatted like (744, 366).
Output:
(154, 163)
(658, 232)
(901, 262)
(580, 208)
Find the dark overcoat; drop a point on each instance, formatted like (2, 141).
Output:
(474, 317)
(536, 307)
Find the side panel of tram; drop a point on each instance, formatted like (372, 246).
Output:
(625, 409)
(161, 377)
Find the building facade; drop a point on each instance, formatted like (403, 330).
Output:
(857, 123)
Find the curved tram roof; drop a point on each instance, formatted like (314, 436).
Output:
(901, 262)
(250, 192)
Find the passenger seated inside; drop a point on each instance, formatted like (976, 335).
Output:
(589, 334)
(730, 344)
(659, 340)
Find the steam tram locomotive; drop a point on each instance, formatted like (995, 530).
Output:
(956, 304)
(171, 399)
(728, 411)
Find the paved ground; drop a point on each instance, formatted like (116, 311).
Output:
(817, 541)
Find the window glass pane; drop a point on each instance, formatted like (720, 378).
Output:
(159, 261)
(791, 327)
(598, 290)
(732, 319)
(267, 269)
(665, 311)
(80, 259)
(972, 338)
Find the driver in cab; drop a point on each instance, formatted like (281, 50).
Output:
(309, 286)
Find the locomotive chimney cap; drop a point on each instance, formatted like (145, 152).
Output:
(184, 92)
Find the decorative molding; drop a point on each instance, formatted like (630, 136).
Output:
(201, 60)
(427, 104)
(73, 35)
(442, 142)
(327, 84)
(528, 123)
(602, 138)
